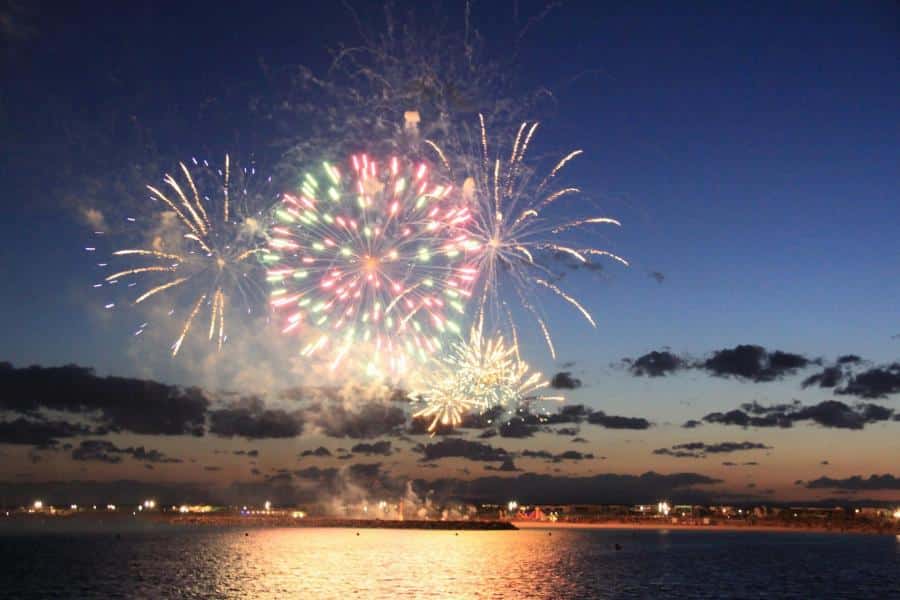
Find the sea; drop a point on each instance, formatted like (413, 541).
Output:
(206, 562)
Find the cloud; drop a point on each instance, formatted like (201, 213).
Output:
(320, 451)
(656, 364)
(879, 382)
(833, 375)
(570, 431)
(106, 451)
(459, 448)
(383, 448)
(692, 424)
(248, 418)
(564, 381)
(567, 455)
(371, 419)
(39, 433)
(829, 413)
(857, 482)
(701, 449)
(754, 363)
(507, 466)
(605, 488)
(315, 473)
(615, 422)
(118, 403)
(251, 453)
(829, 377)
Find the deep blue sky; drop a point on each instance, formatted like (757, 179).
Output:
(750, 149)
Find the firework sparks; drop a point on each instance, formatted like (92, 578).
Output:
(208, 246)
(478, 375)
(515, 242)
(369, 258)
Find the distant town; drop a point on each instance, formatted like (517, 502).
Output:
(660, 515)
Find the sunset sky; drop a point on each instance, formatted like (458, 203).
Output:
(751, 351)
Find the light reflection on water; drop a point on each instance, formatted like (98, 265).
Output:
(338, 563)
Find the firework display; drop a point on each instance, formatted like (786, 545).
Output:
(204, 248)
(478, 374)
(376, 265)
(517, 244)
(368, 260)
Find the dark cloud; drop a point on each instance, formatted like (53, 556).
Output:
(656, 364)
(520, 426)
(754, 363)
(252, 453)
(602, 488)
(40, 433)
(567, 455)
(849, 359)
(615, 422)
(117, 403)
(879, 382)
(692, 424)
(829, 413)
(106, 451)
(565, 381)
(828, 377)
(579, 440)
(371, 419)
(249, 418)
(316, 473)
(833, 375)
(701, 449)
(857, 482)
(212, 468)
(382, 448)
(459, 448)
(506, 466)
(320, 451)
(570, 431)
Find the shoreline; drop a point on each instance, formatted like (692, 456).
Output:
(622, 526)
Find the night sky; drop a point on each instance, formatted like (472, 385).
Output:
(750, 351)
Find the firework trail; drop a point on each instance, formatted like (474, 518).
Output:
(517, 243)
(479, 374)
(368, 260)
(205, 247)
(400, 76)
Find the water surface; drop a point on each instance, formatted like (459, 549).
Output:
(534, 563)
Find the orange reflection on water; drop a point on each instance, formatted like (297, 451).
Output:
(374, 563)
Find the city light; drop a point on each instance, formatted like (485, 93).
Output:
(663, 508)
(38, 505)
(268, 506)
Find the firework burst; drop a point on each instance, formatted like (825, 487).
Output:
(369, 260)
(516, 242)
(480, 374)
(204, 248)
